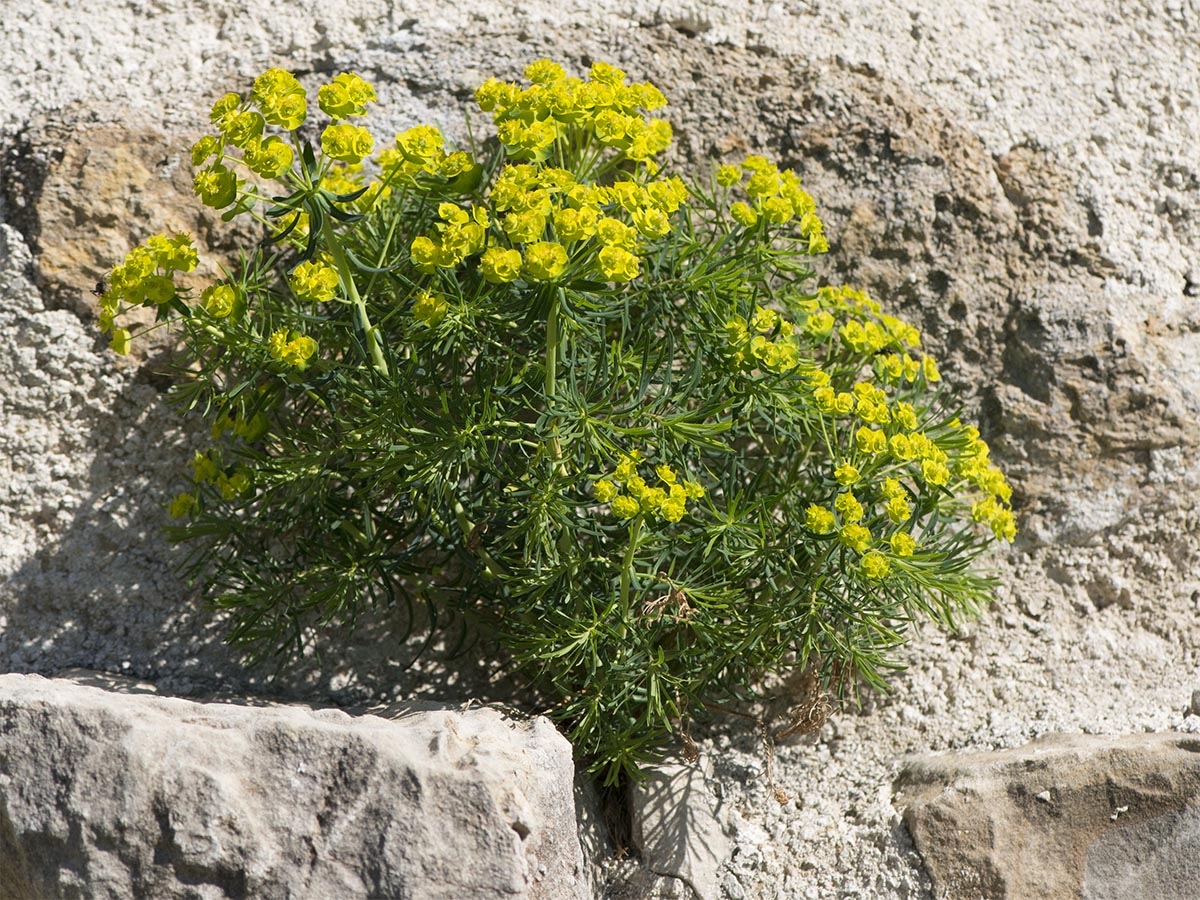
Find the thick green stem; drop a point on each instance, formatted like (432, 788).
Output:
(360, 308)
(552, 349)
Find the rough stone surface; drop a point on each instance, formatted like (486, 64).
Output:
(1061, 818)
(120, 794)
(1019, 178)
(678, 825)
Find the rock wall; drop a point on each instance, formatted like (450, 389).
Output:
(1020, 181)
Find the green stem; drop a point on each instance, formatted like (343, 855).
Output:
(553, 341)
(360, 308)
(466, 527)
(635, 530)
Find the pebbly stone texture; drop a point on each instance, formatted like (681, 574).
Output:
(114, 794)
(1067, 816)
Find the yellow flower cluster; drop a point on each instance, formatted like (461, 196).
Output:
(216, 186)
(277, 99)
(890, 453)
(461, 233)
(751, 347)
(281, 98)
(346, 143)
(291, 347)
(777, 199)
(429, 309)
(846, 519)
(974, 464)
(666, 499)
(270, 157)
(314, 280)
(499, 265)
(561, 222)
(207, 469)
(420, 152)
(556, 108)
(866, 328)
(145, 278)
(897, 439)
(219, 300)
(346, 95)
(920, 458)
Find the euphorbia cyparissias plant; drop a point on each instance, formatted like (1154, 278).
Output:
(607, 411)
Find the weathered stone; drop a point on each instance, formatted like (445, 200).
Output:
(1066, 816)
(677, 825)
(84, 192)
(106, 794)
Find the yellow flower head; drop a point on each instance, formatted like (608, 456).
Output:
(728, 176)
(849, 507)
(544, 260)
(617, 264)
(346, 95)
(314, 280)
(429, 309)
(819, 519)
(819, 324)
(875, 565)
(281, 98)
(743, 214)
(855, 536)
(219, 300)
(424, 253)
(499, 265)
(216, 186)
(347, 143)
(870, 440)
(934, 472)
(898, 509)
(575, 224)
(845, 474)
(605, 491)
(269, 158)
(625, 507)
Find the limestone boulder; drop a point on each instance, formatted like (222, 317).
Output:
(1063, 818)
(121, 794)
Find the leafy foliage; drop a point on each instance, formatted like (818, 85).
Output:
(608, 413)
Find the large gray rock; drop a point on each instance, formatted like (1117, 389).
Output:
(1065, 817)
(117, 795)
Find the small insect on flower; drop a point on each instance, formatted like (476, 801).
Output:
(99, 289)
